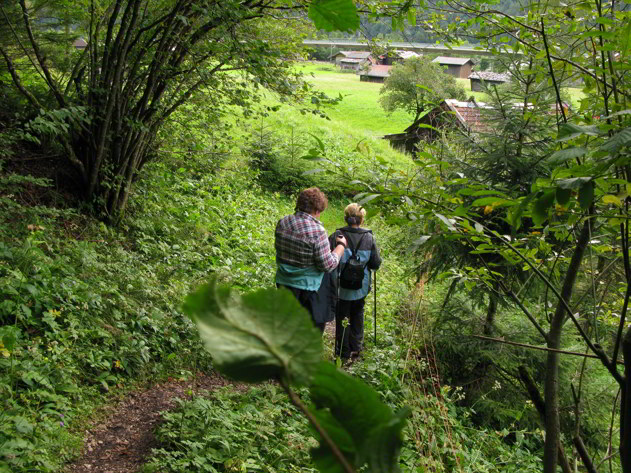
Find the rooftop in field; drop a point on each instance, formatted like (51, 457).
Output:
(378, 71)
(453, 61)
(490, 76)
(353, 54)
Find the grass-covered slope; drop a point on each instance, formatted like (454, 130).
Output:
(88, 310)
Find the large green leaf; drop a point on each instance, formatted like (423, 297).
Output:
(566, 154)
(567, 131)
(563, 195)
(334, 15)
(263, 335)
(573, 182)
(541, 206)
(617, 141)
(322, 456)
(375, 431)
(494, 201)
(515, 213)
(586, 195)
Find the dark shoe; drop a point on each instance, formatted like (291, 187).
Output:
(356, 355)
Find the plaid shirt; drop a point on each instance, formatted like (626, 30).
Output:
(301, 241)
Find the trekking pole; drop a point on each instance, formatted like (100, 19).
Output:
(337, 311)
(374, 309)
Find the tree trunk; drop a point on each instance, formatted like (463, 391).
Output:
(625, 406)
(551, 390)
(540, 405)
(491, 310)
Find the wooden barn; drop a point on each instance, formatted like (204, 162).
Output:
(481, 80)
(80, 44)
(449, 113)
(376, 73)
(459, 67)
(353, 60)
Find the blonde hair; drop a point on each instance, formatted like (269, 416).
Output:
(354, 214)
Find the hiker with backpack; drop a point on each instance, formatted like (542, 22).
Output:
(360, 257)
(303, 255)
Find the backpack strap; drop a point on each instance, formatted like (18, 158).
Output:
(356, 249)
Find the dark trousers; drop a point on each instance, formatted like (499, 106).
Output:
(313, 301)
(349, 339)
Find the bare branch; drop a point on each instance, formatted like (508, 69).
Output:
(40, 58)
(16, 80)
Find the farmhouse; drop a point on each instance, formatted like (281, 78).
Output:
(449, 113)
(376, 73)
(353, 60)
(80, 44)
(481, 80)
(459, 67)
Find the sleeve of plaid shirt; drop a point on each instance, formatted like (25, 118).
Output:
(325, 259)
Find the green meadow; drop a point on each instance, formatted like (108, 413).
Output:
(360, 107)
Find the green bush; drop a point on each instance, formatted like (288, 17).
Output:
(258, 430)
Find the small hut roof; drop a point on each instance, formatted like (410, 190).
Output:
(453, 61)
(490, 76)
(378, 71)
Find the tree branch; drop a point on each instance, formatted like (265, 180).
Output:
(16, 80)
(533, 347)
(554, 81)
(40, 58)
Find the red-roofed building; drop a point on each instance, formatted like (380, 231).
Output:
(449, 113)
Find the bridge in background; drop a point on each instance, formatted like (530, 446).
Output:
(416, 47)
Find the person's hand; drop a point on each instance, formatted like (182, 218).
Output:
(341, 240)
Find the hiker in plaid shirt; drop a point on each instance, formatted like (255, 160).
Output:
(303, 255)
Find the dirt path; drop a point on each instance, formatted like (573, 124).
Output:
(122, 442)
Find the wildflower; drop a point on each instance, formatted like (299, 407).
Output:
(3, 351)
(488, 209)
(117, 364)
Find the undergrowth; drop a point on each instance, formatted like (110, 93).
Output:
(88, 309)
(231, 431)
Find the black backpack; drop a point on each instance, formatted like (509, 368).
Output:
(352, 275)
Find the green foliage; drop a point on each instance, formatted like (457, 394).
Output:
(177, 54)
(231, 431)
(358, 421)
(267, 334)
(87, 309)
(278, 169)
(263, 335)
(334, 15)
(515, 215)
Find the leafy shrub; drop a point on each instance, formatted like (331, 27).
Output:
(275, 173)
(228, 431)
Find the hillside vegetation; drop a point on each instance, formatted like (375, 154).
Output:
(141, 179)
